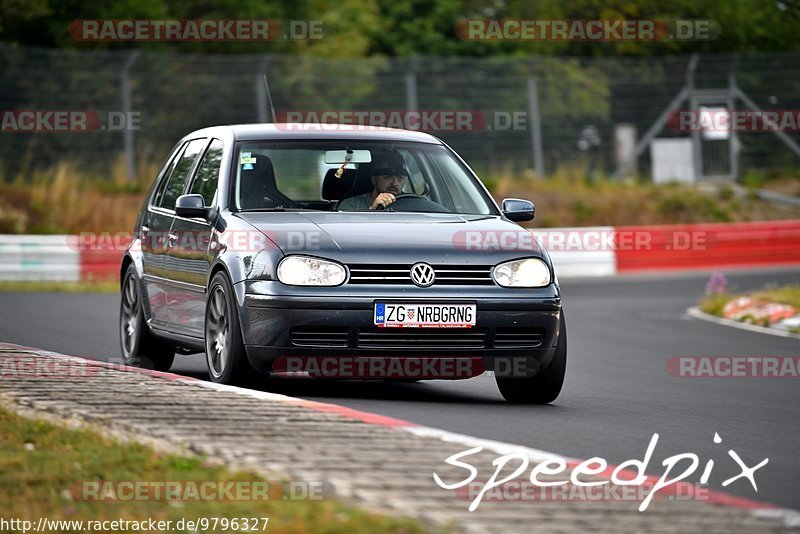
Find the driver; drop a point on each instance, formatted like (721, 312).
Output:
(388, 175)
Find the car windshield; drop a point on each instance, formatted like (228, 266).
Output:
(316, 175)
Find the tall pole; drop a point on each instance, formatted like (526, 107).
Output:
(536, 128)
(411, 85)
(130, 158)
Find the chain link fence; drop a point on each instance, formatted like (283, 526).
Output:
(538, 113)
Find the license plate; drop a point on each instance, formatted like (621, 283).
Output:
(417, 315)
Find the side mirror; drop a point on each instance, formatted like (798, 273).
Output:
(517, 210)
(192, 206)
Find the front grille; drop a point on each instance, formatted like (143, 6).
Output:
(319, 336)
(421, 338)
(518, 337)
(468, 275)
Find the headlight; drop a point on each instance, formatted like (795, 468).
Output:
(308, 271)
(529, 272)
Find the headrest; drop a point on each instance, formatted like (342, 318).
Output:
(258, 187)
(334, 188)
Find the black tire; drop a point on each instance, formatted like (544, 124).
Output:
(226, 358)
(545, 386)
(139, 346)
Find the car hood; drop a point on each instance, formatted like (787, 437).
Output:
(396, 237)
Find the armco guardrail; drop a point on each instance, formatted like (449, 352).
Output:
(576, 252)
(39, 257)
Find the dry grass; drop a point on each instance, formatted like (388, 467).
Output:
(568, 199)
(789, 294)
(62, 200)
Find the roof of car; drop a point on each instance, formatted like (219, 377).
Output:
(291, 131)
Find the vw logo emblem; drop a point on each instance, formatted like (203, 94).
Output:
(422, 274)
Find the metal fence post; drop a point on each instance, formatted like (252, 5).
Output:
(411, 85)
(535, 122)
(130, 157)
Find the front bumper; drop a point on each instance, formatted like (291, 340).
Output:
(268, 320)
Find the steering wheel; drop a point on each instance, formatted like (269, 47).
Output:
(415, 202)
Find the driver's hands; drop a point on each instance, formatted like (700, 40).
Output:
(382, 201)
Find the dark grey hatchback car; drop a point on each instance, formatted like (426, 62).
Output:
(286, 248)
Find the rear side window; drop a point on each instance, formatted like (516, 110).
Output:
(205, 181)
(180, 173)
(165, 173)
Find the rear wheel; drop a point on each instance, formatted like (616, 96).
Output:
(139, 347)
(545, 386)
(225, 355)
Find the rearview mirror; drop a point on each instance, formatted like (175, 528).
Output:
(337, 157)
(192, 206)
(518, 210)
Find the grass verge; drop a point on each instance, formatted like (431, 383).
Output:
(42, 467)
(788, 294)
(105, 286)
(568, 199)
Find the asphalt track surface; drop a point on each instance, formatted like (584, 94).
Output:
(617, 393)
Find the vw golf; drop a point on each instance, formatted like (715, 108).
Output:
(266, 242)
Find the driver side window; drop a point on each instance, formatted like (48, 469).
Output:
(180, 173)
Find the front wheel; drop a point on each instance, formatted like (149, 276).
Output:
(545, 386)
(225, 355)
(139, 347)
